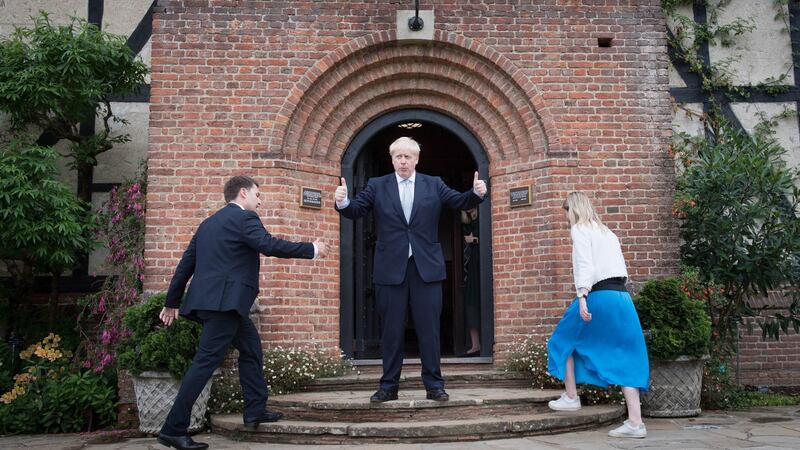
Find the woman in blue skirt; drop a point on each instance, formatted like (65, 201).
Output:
(599, 340)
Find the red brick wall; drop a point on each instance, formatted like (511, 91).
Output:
(767, 362)
(278, 88)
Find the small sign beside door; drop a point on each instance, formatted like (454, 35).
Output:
(310, 198)
(520, 196)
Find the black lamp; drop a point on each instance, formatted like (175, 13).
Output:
(416, 23)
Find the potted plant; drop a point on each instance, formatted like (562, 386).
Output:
(157, 356)
(677, 332)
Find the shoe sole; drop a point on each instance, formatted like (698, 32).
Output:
(255, 424)
(164, 443)
(382, 401)
(559, 408)
(438, 399)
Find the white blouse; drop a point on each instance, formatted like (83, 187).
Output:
(596, 255)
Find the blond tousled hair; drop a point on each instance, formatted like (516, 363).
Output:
(580, 211)
(405, 143)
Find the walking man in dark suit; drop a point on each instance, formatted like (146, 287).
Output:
(409, 264)
(223, 261)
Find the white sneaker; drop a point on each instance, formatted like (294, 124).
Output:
(565, 403)
(629, 431)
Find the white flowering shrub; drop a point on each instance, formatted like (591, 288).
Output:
(530, 357)
(285, 369)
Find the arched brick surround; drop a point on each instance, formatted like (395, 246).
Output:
(374, 74)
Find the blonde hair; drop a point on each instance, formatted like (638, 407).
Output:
(405, 143)
(580, 211)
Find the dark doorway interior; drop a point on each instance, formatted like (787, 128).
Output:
(445, 155)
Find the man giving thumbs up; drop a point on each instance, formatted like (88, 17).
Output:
(406, 206)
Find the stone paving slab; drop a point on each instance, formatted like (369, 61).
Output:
(412, 379)
(413, 399)
(737, 430)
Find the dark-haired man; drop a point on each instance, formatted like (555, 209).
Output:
(223, 261)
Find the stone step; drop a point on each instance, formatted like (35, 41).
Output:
(411, 379)
(411, 405)
(465, 429)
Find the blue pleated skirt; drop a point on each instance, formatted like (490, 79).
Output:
(607, 350)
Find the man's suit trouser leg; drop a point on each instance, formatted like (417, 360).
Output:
(251, 368)
(425, 304)
(392, 306)
(219, 330)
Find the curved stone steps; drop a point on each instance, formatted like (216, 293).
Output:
(411, 379)
(504, 426)
(354, 406)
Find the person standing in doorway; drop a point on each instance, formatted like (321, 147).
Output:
(409, 263)
(472, 278)
(223, 262)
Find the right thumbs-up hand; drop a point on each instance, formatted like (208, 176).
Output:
(341, 192)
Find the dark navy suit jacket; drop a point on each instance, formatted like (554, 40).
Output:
(382, 197)
(223, 261)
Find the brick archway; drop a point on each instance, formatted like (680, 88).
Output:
(375, 74)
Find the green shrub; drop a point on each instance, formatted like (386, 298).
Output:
(52, 395)
(530, 358)
(150, 345)
(677, 325)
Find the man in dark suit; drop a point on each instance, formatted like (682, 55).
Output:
(409, 264)
(223, 261)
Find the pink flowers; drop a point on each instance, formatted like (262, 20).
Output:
(121, 228)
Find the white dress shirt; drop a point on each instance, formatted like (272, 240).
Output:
(596, 256)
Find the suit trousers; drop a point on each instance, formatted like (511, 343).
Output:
(221, 329)
(424, 300)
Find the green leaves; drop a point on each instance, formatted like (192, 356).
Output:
(153, 346)
(57, 74)
(738, 202)
(42, 221)
(677, 324)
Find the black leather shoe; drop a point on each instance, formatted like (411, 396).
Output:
(382, 395)
(266, 416)
(438, 395)
(181, 442)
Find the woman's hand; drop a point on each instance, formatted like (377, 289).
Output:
(585, 314)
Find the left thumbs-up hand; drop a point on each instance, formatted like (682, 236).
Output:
(479, 186)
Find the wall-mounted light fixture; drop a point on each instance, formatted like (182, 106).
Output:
(416, 23)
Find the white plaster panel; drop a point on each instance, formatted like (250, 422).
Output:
(672, 24)
(65, 174)
(122, 161)
(764, 53)
(687, 119)
(19, 12)
(786, 131)
(122, 16)
(425, 34)
(675, 79)
(145, 55)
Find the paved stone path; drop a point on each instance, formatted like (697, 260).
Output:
(758, 428)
